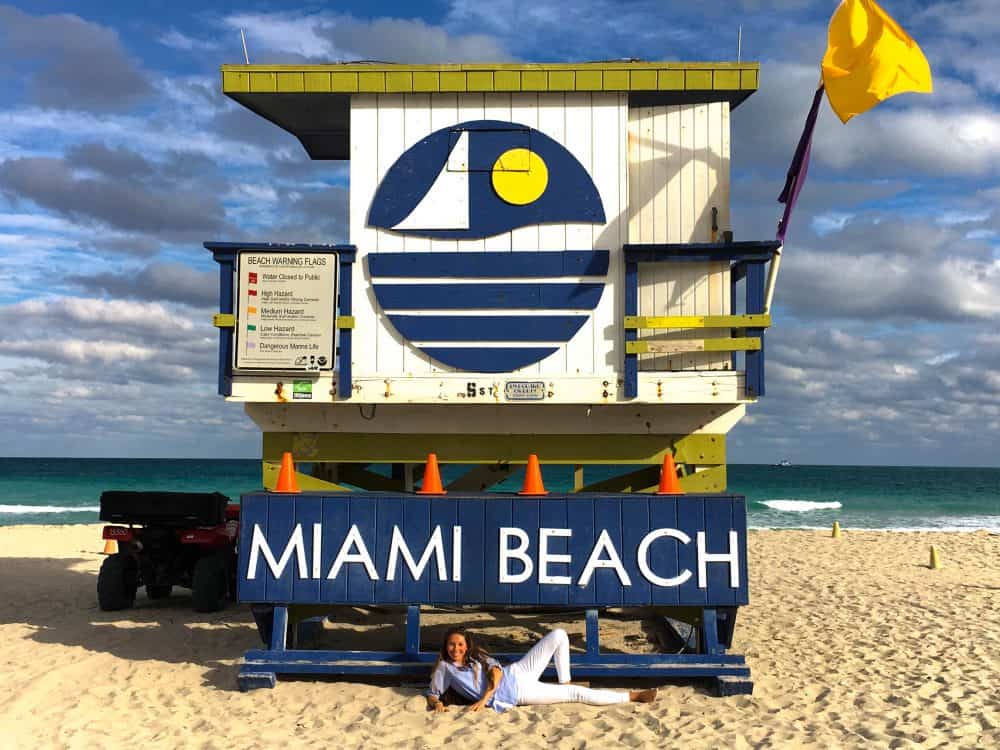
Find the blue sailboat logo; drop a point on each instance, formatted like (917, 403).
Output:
(474, 180)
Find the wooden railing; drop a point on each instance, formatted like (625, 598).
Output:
(746, 261)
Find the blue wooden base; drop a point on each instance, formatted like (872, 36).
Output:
(729, 671)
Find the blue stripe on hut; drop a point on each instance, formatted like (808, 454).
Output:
(503, 312)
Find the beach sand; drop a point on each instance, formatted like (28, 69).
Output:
(852, 643)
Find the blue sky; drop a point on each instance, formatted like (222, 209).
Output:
(119, 156)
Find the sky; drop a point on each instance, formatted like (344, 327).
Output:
(119, 156)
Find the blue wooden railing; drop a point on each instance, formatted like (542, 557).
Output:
(746, 260)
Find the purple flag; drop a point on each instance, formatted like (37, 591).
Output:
(799, 167)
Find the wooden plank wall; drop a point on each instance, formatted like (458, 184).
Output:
(592, 126)
(678, 169)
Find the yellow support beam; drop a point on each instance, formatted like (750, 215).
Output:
(698, 321)
(681, 346)
(711, 479)
(306, 482)
(630, 482)
(355, 447)
(647, 480)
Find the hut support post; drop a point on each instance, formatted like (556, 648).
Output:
(593, 635)
(413, 631)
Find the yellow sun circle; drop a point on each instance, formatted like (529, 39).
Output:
(520, 176)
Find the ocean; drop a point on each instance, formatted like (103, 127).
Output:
(67, 490)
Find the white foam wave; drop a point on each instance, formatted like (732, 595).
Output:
(800, 506)
(20, 510)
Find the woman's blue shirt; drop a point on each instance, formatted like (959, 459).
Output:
(471, 682)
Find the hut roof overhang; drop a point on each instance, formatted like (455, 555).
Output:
(312, 102)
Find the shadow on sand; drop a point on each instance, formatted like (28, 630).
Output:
(58, 599)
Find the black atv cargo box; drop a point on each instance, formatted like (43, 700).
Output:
(178, 509)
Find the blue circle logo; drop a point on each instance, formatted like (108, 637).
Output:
(493, 311)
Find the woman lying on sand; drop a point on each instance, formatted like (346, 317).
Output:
(467, 669)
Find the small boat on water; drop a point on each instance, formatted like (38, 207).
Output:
(784, 462)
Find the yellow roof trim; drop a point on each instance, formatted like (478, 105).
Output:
(284, 94)
(363, 78)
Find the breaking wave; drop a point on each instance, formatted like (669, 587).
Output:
(800, 506)
(18, 510)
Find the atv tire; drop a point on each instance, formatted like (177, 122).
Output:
(117, 582)
(208, 587)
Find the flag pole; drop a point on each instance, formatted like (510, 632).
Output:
(794, 181)
(772, 279)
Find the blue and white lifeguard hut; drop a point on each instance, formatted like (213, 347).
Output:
(540, 262)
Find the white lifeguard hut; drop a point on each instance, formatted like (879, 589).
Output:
(539, 261)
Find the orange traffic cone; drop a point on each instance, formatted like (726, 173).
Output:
(286, 477)
(110, 547)
(533, 478)
(669, 483)
(432, 477)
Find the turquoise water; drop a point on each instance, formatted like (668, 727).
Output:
(67, 490)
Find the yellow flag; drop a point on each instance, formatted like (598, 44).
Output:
(870, 58)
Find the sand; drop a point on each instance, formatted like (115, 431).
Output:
(852, 643)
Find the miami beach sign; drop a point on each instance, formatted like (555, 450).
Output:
(604, 551)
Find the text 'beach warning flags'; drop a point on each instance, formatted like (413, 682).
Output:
(869, 57)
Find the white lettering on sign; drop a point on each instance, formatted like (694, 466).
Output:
(643, 557)
(732, 557)
(545, 557)
(259, 546)
(520, 554)
(317, 548)
(517, 564)
(353, 539)
(398, 547)
(604, 545)
(456, 553)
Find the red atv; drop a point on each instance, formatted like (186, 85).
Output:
(168, 539)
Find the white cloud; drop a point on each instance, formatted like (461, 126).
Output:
(330, 37)
(77, 391)
(933, 135)
(972, 18)
(831, 221)
(953, 217)
(178, 40)
(940, 359)
(77, 351)
(30, 125)
(890, 287)
(146, 316)
(36, 222)
(289, 33)
(980, 234)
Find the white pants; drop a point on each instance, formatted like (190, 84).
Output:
(531, 692)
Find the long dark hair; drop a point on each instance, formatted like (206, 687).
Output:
(474, 653)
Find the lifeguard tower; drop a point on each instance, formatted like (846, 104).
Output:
(539, 262)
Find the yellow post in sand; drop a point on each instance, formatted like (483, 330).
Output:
(110, 547)
(935, 563)
(835, 532)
